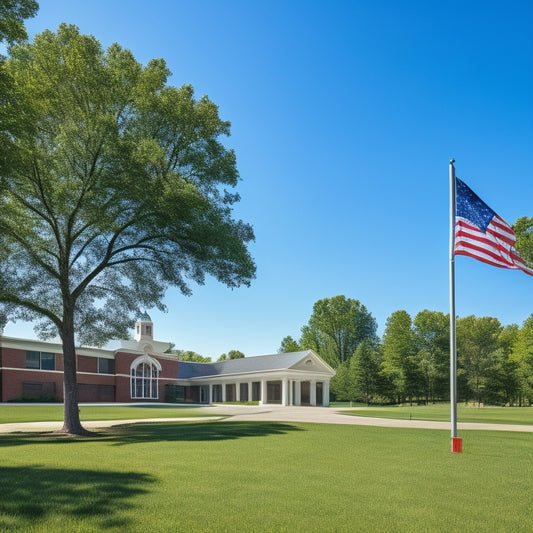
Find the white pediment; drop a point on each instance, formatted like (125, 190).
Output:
(312, 363)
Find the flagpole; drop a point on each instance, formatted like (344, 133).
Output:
(456, 443)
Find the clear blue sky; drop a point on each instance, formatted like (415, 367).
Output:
(344, 117)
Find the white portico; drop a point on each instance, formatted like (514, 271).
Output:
(296, 378)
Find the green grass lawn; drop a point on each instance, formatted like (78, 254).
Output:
(492, 415)
(264, 476)
(45, 413)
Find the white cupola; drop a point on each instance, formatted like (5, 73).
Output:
(144, 328)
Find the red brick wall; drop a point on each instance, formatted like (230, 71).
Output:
(87, 364)
(169, 373)
(12, 381)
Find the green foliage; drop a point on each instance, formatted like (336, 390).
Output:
(399, 355)
(114, 191)
(232, 354)
(432, 340)
(288, 344)
(113, 187)
(12, 16)
(522, 354)
(523, 229)
(365, 368)
(189, 355)
(477, 342)
(336, 328)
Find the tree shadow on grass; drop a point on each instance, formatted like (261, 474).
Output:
(196, 431)
(31, 494)
(159, 432)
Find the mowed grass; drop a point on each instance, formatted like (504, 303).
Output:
(265, 476)
(47, 413)
(492, 415)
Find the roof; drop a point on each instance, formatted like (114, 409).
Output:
(245, 365)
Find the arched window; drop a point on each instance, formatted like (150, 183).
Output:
(144, 377)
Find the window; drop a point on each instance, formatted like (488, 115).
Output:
(256, 391)
(144, 378)
(230, 392)
(106, 366)
(217, 393)
(274, 392)
(40, 360)
(244, 392)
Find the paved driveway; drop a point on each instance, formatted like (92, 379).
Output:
(321, 415)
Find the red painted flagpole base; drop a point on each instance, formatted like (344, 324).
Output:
(457, 444)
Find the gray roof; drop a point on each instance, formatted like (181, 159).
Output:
(261, 363)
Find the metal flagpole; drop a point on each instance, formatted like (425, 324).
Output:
(456, 443)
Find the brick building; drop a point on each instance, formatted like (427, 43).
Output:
(140, 370)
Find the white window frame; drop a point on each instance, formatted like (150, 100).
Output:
(148, 380)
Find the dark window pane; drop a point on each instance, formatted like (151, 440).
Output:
(33, 360)
(48, 361)
(106, 366)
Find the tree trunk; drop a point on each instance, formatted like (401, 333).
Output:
(71, 420)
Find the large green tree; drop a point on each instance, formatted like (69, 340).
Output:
(477, 342)
(336, 328)
(365, 368)
(288, 344)
(114, 186)
(432, 341)
(399, 355)
(522, 354)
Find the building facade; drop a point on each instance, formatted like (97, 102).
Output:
(141, 371)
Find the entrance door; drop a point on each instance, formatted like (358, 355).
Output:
(305, 393)
(320, 393)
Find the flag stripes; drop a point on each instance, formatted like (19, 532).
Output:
(492, 243)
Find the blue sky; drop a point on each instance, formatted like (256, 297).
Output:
(344, 117)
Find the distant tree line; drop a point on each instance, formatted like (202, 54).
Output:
(410, 363)
(189, 355)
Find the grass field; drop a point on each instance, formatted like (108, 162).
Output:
(493, 415)
(46, 413)
(262, 476)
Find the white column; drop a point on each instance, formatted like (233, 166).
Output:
(313, 392)
(325, 393)
(210, 393)
(298, 393)
(291, 399)
(238, 392)
(264, 391)
(223, 392)
(284, 392)
(250, 391)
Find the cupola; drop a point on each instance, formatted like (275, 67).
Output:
(144, 328)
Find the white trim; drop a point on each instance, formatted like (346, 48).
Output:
(32, 370)
(146, 359)
(151, 362)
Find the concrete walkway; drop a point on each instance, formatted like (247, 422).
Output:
(321, 415)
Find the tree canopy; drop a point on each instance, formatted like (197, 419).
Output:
(336, 328)
(12, 16)
(114, 186)
(523, 229)
(232, 354)
(412, 360)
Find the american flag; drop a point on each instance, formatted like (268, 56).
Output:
(480, 233)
